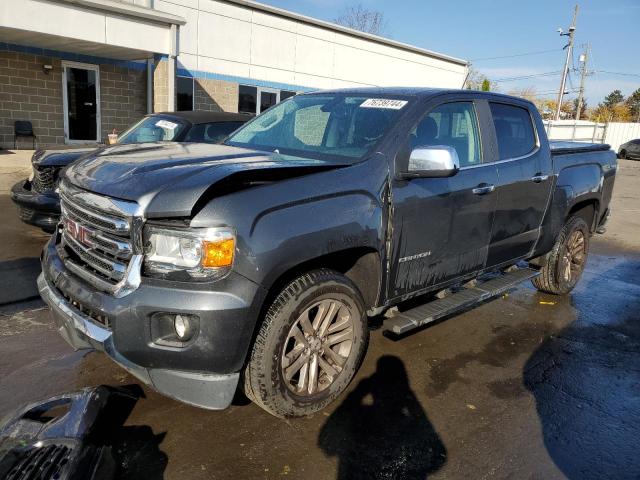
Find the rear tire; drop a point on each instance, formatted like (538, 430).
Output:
(309, 347)
(565, 263)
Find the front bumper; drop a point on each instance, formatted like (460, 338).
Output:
(203, 373)
(38, 209)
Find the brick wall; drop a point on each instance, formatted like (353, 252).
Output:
(123, 92)
(27, 93)
(215, 95)
(160, 97)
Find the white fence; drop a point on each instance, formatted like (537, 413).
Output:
(613, 133)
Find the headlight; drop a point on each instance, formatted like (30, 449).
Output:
(201, 254)
(32, 174)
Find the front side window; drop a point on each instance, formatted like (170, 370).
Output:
(453, 125)
(514, 130)
(153, 129)
(322, 126)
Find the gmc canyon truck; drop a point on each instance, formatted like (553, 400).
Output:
(258, 262)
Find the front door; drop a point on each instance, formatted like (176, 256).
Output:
(441, 226)
(81, 98)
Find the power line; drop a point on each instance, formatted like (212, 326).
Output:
(618, 73)
(515, 55)
(526, 77)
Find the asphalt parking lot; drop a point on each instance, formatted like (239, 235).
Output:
(526, 386)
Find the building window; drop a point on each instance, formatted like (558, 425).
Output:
(247, 99)
(184, 93)
(256, 100)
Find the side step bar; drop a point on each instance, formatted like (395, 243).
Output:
(465, 298)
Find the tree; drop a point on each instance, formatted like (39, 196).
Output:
(477, 81)
(548, 109)
(583, 109)
(613, 109)
(633, 102)
(359, 18)
(618, 113)
(613, 98)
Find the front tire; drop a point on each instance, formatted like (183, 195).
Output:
(623, 154)
(567, 260)
(309, 347)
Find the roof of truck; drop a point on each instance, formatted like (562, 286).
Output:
(198, 116)
(411, 91)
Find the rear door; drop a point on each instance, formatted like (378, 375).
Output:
(441, 226)
(524, 182)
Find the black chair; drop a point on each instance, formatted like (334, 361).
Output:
(23, 128)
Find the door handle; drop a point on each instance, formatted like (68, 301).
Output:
(539, 178)
(483, 189)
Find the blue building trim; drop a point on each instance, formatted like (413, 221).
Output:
(184, 72)
(73, 57)
(141, 65)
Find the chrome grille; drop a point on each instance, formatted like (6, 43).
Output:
(99, 239)
(44, 179)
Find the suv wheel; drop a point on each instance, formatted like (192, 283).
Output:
(309, 346)
(566, 261)
(623, 154)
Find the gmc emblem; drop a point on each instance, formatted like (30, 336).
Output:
(79, 233)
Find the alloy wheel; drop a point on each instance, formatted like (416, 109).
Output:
(317, 347)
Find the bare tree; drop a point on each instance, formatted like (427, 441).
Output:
(477, 81)
(359, 18)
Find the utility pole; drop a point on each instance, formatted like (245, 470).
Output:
(569, 48)
(583, 73)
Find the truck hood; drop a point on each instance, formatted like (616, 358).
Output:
(59, 156)
(167, 179)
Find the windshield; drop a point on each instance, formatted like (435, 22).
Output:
(321, 126)
(152, 129)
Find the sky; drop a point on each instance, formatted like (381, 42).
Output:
(478, 30)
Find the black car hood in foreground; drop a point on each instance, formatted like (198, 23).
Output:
(169, 178)
(60, 156)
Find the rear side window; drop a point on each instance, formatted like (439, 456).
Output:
(211, 132)
(514, 130)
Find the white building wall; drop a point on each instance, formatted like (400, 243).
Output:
(238, 41)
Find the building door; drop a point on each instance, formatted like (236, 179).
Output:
(267, 97)
(81, 99)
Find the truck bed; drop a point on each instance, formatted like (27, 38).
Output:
(564, 147)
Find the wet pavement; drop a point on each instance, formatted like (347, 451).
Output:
(526, 386)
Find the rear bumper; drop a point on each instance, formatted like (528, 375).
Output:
(203, 373)
(38, 209)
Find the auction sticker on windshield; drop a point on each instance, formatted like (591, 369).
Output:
(166, 124)
(383, 103)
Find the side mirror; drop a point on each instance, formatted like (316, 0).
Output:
(432, 161)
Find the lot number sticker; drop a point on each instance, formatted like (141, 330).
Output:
(166, 124)
(383, 103)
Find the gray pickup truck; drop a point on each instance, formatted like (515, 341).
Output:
(258, 262)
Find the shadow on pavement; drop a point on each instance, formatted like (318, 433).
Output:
(381, 430)
(135, 448)
(586, 381)
(18, 280)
